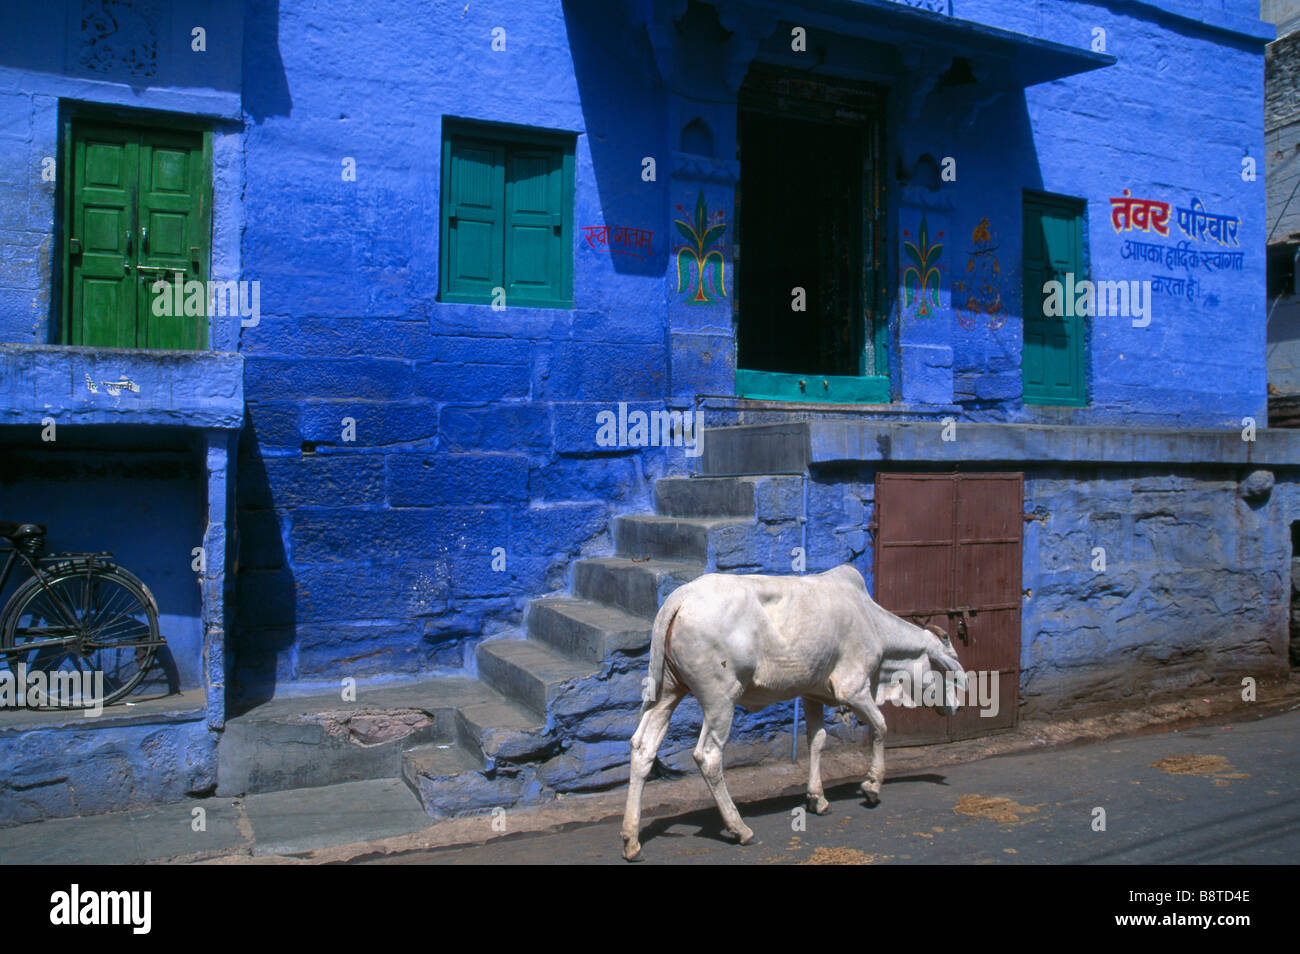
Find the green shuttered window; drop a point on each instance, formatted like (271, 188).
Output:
(507, 216)
(1053, 362)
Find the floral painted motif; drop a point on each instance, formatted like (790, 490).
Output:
(980, 290)
(921, 278)
(700, 266)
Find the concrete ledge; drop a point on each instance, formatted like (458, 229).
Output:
(75, 385)
(793, 447)
(188, 706)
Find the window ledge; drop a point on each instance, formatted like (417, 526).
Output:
(78, 385)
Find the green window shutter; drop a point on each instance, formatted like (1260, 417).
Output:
(101, 238)
(473, 220)
(537, 235)
(173, 237)
(1053, 358)
(507, 214)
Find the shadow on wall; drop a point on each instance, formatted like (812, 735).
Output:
(983, 246)
(623, 112)
(266, 88)
(266, 613)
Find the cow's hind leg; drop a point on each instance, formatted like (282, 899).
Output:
(648, 737)
(813, 719)
(866, 709)
(708, 755)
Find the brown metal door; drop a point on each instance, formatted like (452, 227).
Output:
(947, 551)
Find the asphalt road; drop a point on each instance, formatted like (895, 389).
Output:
(1224, 794)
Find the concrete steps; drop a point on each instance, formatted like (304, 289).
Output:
(551, 712)
(586, 630)
(637, 587)
(708, 497)
(319, 740)
(528, 672)
(680, 539)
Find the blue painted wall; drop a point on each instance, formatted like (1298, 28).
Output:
(474, 428)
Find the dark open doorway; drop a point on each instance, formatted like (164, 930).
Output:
(808, 217)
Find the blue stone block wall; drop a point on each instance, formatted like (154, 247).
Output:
(59, 771)
(474, 427)
(1194, 590)
(372, 553)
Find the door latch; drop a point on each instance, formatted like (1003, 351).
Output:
(963, 615)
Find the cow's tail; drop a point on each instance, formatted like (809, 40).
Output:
(654, 684)
(659, 636)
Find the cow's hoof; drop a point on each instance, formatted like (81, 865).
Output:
(745, 837)
(818, 805)
(632, 851)
(871, 795)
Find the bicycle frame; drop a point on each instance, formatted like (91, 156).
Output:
(69, 614)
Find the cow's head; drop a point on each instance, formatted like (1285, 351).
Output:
(945, 661)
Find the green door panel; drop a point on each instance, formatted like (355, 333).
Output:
(103, 296)
(1053, 366)
(171, 251)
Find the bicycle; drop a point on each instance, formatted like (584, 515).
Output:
(80, 610)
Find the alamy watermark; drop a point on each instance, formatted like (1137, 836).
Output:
(131, 909)
(1122, 299)
(194, 298)
(975, 688)
(650, 429)
(23, 688)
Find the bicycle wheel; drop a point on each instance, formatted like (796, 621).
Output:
(93, 634)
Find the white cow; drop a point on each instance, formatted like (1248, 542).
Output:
(751, 641)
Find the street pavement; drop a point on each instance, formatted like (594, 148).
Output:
(1224, 794)
(1215, 791)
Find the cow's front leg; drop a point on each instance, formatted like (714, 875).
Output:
(866, 709)
(813, 720)
(708, 755)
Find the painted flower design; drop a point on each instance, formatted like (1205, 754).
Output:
(701, 266)
(921, 278)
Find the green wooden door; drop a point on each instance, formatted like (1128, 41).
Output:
(1052, 361)
(138, 213)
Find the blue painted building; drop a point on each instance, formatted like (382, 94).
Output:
(541, 308)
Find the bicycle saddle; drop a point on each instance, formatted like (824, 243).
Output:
(16, 531)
